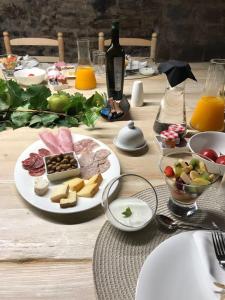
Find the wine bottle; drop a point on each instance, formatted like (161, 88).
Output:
(115, 62)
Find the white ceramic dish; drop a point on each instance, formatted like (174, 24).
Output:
(123, 148)
(209, 139)
(25, 182)
(24, 76)
(63, 174)
(174, 271)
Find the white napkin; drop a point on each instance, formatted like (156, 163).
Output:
(212, 270)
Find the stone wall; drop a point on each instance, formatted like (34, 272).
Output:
(192, 30)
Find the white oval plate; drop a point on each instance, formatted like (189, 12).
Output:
(174, 271)
(25, 182)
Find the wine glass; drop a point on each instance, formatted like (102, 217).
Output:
(187, 176)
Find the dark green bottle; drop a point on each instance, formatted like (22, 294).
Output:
(115, 63)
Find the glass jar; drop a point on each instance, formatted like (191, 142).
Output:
(172, 108)
(209, 111)
(85, 75)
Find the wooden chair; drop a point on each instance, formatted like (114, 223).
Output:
(102, 43)
(36, 42)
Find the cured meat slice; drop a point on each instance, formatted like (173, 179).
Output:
(43, 152)
(28, 163)
(37, 172)
(51, 141)
(102, 154)
(89, 171)
(39, 162)
(65, 140)
(85, 145)
(86, 159)
(104, 167)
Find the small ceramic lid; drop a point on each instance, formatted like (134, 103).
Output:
(130, 137)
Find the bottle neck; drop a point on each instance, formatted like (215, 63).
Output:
(115, 34)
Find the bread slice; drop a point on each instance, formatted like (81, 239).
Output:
(59, 192)
(95, 179)
(75, 184)
(88, 190)
(70, 201)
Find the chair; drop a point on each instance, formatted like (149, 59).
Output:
(36, 42)
(102, 43)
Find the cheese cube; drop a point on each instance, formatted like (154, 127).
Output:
(95, 179)
(59, 192)
(70, 201)
(88, 190)
(75, 184)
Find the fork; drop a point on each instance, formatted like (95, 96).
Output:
(219, 247)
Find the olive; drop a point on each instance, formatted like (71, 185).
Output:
(58, 168)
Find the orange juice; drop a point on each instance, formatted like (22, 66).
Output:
(85, 78)
(209, 114)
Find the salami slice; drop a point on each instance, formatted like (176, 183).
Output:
(89, 171)
(28, 163)
(85, 145)
(38, 163)
(37, 172)
(102, 154)
(43, 152)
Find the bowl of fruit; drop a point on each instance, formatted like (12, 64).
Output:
(9, 62)
(212, 145)
(187, 176)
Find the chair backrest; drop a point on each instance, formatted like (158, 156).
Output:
(102, 43)
(36, 42)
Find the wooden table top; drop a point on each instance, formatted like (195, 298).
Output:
(48, 257)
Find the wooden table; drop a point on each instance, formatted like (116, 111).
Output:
(44, 257)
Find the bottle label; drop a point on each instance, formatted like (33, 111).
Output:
(118, 65)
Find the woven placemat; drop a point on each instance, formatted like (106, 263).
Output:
(119, 256)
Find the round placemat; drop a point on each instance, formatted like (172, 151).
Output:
(119, 256)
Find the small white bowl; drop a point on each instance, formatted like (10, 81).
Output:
(30, 76)
(209, 139)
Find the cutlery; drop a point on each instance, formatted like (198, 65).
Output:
(219, 247)
(172, 225)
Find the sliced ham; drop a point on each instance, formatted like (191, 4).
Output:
(65, 140)
(51, 141)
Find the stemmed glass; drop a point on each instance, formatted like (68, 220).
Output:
(183, 196)
(8, 63)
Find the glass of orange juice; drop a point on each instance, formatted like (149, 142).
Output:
(85, 75)
(209, 111)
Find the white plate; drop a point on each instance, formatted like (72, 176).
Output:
(25, 182)
(174, 271)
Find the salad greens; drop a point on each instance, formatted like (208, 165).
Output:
(36, 107)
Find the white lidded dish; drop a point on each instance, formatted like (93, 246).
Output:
(59, 175)
(30, 76)
(130, 138)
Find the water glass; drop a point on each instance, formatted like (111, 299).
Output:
(98, 59)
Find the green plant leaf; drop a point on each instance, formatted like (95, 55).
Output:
(68, 122)
(16, 94)
(90, 117)
(36, 119)
(48, 119)
(37, 96)
(76, 104)
(95, 100)
(20, 119)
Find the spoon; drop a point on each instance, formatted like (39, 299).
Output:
(172, 225)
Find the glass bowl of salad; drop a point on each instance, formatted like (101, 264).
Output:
(187, 176)
(8, 63)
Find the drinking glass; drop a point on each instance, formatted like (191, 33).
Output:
(9, 63)
(130, 202)
(209, 111)
(183, 196)
(98, 59)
